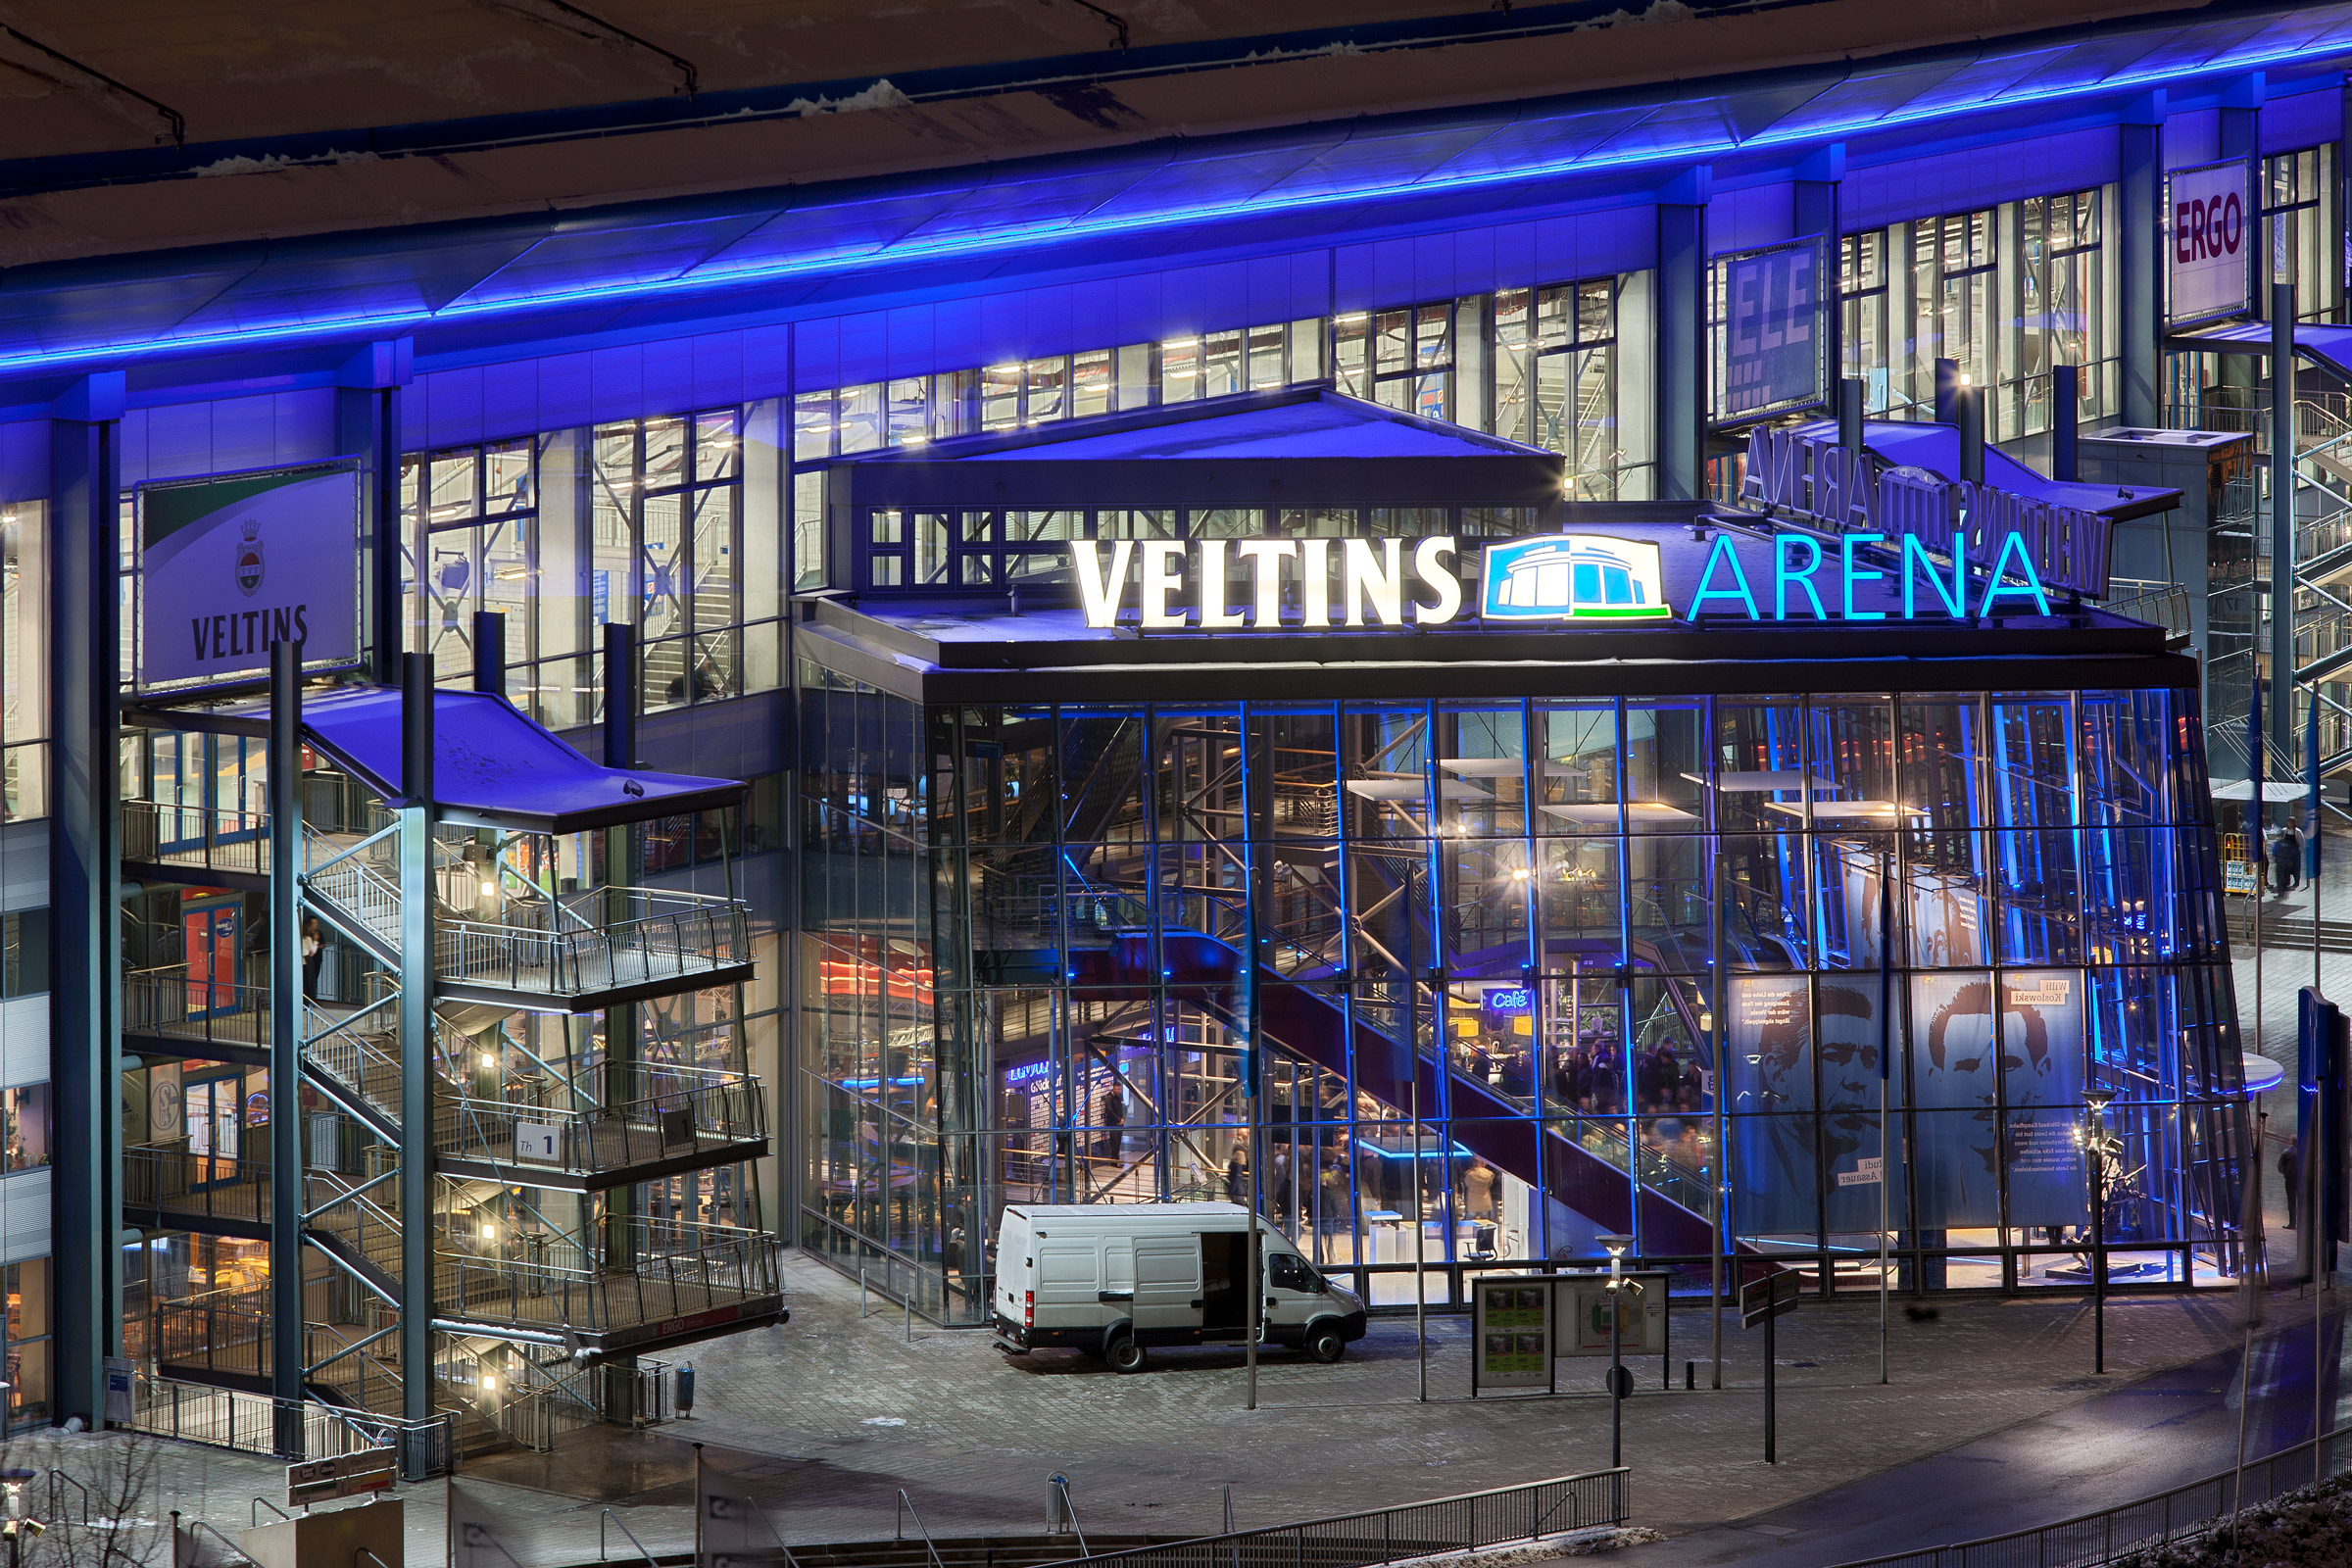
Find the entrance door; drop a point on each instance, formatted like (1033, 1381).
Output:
(1225, 1272)
(216, 1118)
(210, 935)
(1167, 1285)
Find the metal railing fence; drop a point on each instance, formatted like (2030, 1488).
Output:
(287, 1429)
(2093, 1538)
(1465, 1523)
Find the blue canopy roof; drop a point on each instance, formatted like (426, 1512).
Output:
(494, 766)
(1328, 426)
(1937, 449)
(2327, 346)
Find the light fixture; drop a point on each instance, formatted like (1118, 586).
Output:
(489, 1383)
(489, 1233)
(489, 890)
(1519, 873)
(488, 1060)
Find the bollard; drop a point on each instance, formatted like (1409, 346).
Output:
(686, 1392)
(1058, 1506)
(1229, 1509)
(861, 1295)
(910, 1312)
(1690, 1375)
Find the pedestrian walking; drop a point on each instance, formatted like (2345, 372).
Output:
(2290, 1171)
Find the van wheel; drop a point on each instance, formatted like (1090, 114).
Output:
(1124, 1355)
(1324, 1344)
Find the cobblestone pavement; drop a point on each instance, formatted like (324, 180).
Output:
(830, 1416)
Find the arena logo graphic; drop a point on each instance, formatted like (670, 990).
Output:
(249, 558)
(1573, 578)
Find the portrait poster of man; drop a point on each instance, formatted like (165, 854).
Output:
(1769, 1042)
(2041, 1072)
(1846, 1037)
(1958, 1173)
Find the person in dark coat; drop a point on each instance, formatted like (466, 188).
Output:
(2290, 1171)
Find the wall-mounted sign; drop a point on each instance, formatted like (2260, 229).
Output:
(1771, 331)
(1191, 583)
(231, 562)
(2210, 234)
(1855, 493)
(537, 1142)
(1921, 564)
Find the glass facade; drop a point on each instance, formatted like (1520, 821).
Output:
(2007, 291)
(1525, 971)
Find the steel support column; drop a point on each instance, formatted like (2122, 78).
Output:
(1682, 335)
(288, 1354)
(1816, 212)
(2282, 522)
(2140, 256)
(417, 1037)
(85, 859)
(619, 1252)
(368, 424)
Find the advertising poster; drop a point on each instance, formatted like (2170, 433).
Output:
(2041, 1065)
(1514, 1333)
(1957, 1165)
(1641, 1306)
(232, 562)
(1769, 1052)
(1847, 1042)
(2209, 228)
(1770, 341)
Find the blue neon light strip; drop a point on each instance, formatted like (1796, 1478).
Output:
(715, 275)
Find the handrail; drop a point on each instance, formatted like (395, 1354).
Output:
(353, 1349)
(252, 1518)
(353, 1192)
(2224, 1485)
(57, 1475)
(1497, 1516)
(1069, 1510)
(362, 1552)
(198, 1524)
(310, 833)
(607, 1513)
(906, 1504)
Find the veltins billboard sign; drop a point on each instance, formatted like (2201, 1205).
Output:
(2209, 241)
(1552, 581)
(230, 564)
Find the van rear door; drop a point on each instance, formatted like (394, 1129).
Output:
(1168, 1284)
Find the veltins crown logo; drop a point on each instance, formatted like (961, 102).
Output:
(249, 558)
(1573, 576)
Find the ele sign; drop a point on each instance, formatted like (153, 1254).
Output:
(2212, 226)
(231, 562)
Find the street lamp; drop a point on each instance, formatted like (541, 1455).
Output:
(1616, 1245)
(2095, 1103)
(16, 1525)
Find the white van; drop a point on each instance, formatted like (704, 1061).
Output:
(1111, 1279)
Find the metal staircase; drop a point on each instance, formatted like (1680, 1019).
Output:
(542, 1262)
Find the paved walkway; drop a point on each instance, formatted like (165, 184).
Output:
(1992, 1419)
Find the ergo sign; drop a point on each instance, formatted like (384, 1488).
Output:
(2209, 221)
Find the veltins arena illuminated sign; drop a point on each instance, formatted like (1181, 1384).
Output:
(1557, 580)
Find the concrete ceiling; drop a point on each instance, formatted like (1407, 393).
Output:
(139, 124)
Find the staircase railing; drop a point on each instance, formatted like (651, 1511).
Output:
(164, 1001)
(671, 1112)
